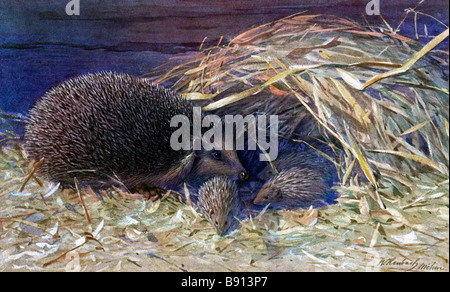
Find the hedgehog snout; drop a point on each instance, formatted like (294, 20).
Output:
(263, 196)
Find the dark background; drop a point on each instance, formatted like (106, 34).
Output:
(40, 45)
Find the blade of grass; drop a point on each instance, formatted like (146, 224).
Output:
(435, 165)
(241, 95)
(30, 175)
(415, 128)
(88, 218)
(361, 159)
(427, 48)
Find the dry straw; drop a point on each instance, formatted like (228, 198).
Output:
(379, 97)
(342, 73)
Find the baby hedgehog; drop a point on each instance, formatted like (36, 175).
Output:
(296, 187)
(106, 128)
(305, 178)
(219, 202)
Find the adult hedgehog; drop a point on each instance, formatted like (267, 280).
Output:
(108, 128)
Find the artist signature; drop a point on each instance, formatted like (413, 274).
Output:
(412, 265)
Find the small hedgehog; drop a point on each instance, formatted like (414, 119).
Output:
(219, 202)
(298, 154)
(108, 128)
(296, 187)
(305, 178)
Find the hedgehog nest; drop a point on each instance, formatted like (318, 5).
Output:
(379, 96)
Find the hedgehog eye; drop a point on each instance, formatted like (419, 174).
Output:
(243, 175)
(217, 155)
(216, 222)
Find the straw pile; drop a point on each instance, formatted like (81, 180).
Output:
(378, 96)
